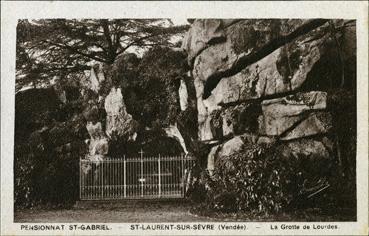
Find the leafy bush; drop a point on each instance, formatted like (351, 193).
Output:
(46, 175)
(23, 169)
(46, 159)
(253, 180)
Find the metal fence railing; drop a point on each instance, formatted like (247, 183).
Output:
(134, 178)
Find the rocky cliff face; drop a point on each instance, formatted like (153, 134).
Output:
(118, 122)
(105, 113)
(266, 81)
(113, 131)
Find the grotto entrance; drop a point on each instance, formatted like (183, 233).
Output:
(134, 178)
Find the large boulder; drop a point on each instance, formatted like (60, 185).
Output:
(98, 143)
(204, 32)
(118, 122)
(243, 68)
(96, 80)
(233, 146)
(295, 116)
(315, 123)
(183, 95)
(210, 164)
(295, 104)
(235, 120)
(255, 40)
(173, 132)
(284, 70)
(315, 155)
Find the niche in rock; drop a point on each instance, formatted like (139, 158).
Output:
(150, 142)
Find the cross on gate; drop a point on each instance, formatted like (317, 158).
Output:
(141, 152)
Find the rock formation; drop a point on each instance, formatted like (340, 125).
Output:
(183, 95)
(260, 81)
(109, 123)
(173, 132)
(118, 121)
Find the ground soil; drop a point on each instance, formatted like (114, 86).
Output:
(112, 213)
(173, 211)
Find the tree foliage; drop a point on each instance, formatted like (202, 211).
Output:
(66, 47)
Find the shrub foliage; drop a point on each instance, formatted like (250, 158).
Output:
(253, 180)
(46, 155)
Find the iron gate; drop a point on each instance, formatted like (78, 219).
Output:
(134, 178)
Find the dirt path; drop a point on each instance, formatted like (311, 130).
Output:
(172, 211)
(143, 212)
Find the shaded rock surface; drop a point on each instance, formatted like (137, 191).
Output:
(173, 132)
(203, 33)
(315, 155)
(183, 95)
(295, 104)
(265, 82)
(294, 116)
(288, 67)
(118, 121)
(98, 144)
(113, 131)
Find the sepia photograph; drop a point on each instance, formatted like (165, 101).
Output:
(246, 119)
(188, 120)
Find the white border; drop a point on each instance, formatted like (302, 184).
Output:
(12, 11)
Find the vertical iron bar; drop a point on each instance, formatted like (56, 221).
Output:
(102, 178)
(163, 162)
(159, 174)
(106, 172)
(80, 179)
(182, 177)
(89, 180)
(97, 173)
(166, 177)
(110, 173)
(110, 182)
(96, 180)
(90, 183)
(111, 179)
(120, 178)
(141, 175)
(124, 177)
(171, 176)
(115, 178)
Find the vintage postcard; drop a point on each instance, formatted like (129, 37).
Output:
(184, 118)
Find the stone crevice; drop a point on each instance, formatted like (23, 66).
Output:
(243, 61)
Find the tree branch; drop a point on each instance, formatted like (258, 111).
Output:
(111, 50)
(76, 51)
(134, 42)
(166, 31)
